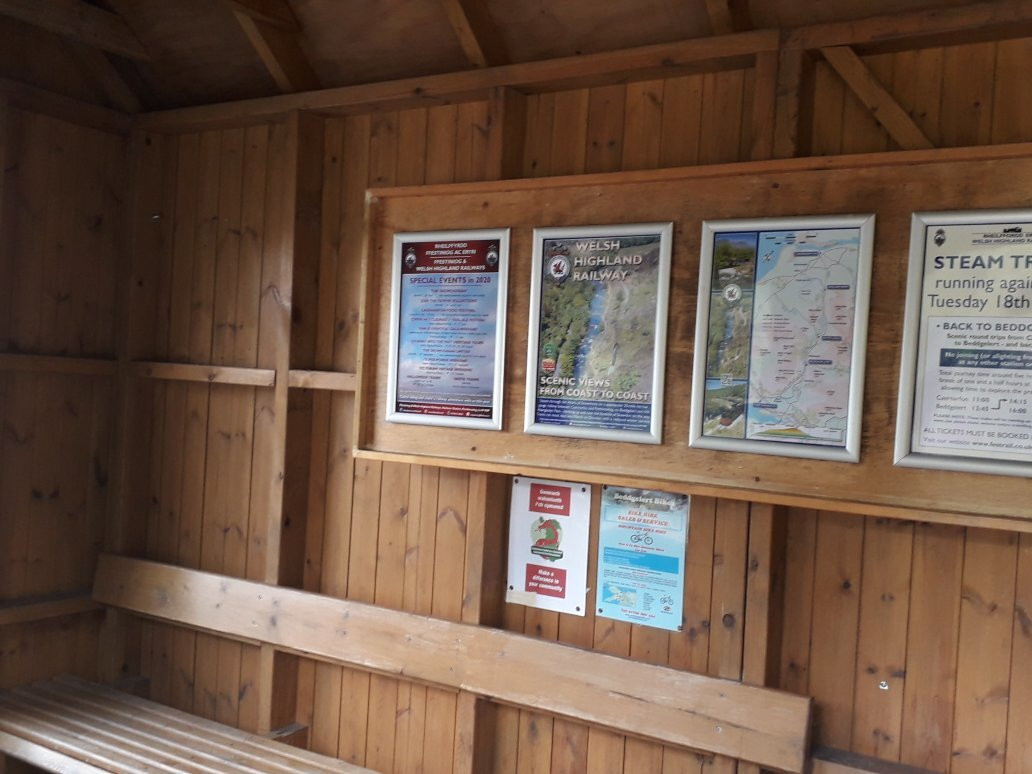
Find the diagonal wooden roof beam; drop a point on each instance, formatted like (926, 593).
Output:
(478, 35)
(883, 106)
(278, 13)
(78, 21)
(272, 28)
(99, 68)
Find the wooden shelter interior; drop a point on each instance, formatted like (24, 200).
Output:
(196, 201)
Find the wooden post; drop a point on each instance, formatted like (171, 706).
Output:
(292, 217)
(506, 133)
(764, 595)
(794, 98)
(5, 119)
(764, 106)
(484, 581)
(147, 230)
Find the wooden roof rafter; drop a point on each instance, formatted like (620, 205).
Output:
(727, 16)
(78, 21)
(91, 34)
(974, 23)
(479, 36)
(696, 55)
(278, 13)
(272, 28)
(105, 76)
(992, 20)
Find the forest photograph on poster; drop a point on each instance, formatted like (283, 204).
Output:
(598, 324)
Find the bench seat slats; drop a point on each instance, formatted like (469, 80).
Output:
(124, 736)
(75, 746)
(76, 726)
(200, 728)
(162, 732)
(44, 757)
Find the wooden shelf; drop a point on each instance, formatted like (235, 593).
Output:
(337, 381)
(42, 608)
(212, 374)
(57, 364)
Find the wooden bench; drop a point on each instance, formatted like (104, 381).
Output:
(70, 725)
(724, 717)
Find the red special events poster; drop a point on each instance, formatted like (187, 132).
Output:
(448, 328)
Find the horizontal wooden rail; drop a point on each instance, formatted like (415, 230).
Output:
(57, 364)
(846, 161)
(323, 380)
(760, 725)
(190, 372)
(977, 22)
(20, 611)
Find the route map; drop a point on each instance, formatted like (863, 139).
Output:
(781, 335)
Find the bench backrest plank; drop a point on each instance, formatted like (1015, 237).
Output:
(759, 725)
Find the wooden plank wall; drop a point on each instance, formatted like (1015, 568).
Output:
(407, 537)
(913, 638)
(207, 261)
(936, 613)
(61, 201)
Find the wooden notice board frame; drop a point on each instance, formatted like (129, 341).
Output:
(891, 185)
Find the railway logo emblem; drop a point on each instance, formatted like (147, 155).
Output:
(559, 267)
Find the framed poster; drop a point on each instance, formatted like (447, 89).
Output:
(641, 544)
(447, 334)
(549, 522)
(781, 336)
(965, 389)
(597, 340)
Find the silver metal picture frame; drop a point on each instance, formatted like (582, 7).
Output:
(597, 332)
(965, 386)
(781, 336)
(446, 358)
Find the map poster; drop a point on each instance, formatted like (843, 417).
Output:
(966, 379)
(447, 328)
(549, 523)
(598, 332)
(781, 336)
(641, 545)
